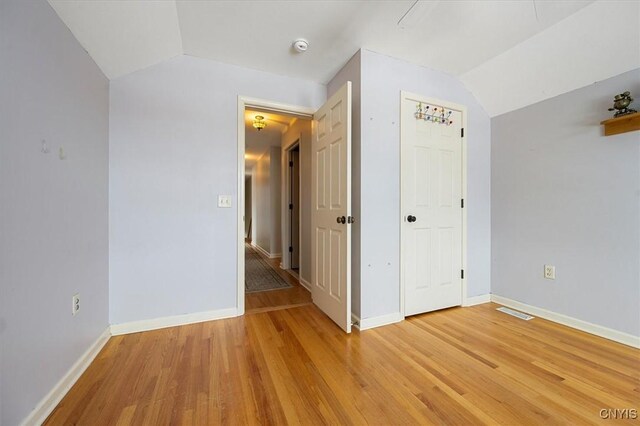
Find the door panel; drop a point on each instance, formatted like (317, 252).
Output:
(431, 191)
(331, 192)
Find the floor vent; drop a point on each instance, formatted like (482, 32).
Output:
(516, 314)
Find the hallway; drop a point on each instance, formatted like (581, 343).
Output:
(269, 300)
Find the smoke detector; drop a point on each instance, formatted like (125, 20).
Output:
(300, 45)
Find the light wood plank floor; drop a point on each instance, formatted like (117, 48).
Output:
(459, 366)
(277, 299)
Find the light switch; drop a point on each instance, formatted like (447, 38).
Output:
(224, 201)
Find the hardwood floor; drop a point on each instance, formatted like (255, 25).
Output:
(459, 366)
(277, 299)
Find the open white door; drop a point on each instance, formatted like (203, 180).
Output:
(331, 208)
(432, 187)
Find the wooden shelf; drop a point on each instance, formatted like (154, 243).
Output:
(624, 124)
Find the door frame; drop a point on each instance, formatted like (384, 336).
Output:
(286, 188)
(463, 110)
(245, 102)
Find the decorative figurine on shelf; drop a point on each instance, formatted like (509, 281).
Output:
(621, 104)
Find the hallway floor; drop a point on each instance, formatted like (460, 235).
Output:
(263, 301)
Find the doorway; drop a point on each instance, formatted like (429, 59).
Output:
(328, 201)
(433, 190)
(275, 266)
(294, 208)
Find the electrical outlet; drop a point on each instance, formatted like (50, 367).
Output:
(550, 272)
(75, 306)
(224, 201)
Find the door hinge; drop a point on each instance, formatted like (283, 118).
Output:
(462, 203)
(290, 163)
(462, 273)
(290, 206)
(290, 249)
(462, 132)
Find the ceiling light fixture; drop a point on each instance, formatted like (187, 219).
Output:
(300, 45)
(259, 122)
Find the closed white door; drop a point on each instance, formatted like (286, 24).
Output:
(331, 206)
(431, 160)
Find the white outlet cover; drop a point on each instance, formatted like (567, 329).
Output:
(224, 201)
(75, 304)
(550, 272)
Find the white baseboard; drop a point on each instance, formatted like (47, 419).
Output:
(355, 321)
(368, 323)
(304, 283)
(51, 400)
(598, 330)
(172, 321)
(477, 300)
(266, 253)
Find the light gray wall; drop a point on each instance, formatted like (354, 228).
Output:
(261, 184)
(266, 179)
(352, 72)
(53, 212)
(173, 149)
(564, 194)
(383, 78)
(301, 130)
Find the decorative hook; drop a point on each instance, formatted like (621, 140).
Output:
(435, 114)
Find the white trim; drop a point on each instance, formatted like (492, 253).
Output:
(355, 321)
(463, 110)
(285, 187)
(264, 252)
(53, 398)
(476, 300)
(368, 323)
(243, 103)
(304, 283)
(598, 330)
(172, 321)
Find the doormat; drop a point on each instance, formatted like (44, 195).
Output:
(258, 275)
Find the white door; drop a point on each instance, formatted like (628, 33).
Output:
(331, 207)
(431, 163)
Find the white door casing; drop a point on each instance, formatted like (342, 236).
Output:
(276, 107)
(331, 207)
(432, 188)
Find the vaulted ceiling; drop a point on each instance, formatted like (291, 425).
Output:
(561, 45)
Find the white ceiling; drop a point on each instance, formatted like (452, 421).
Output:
(123, 36)
(597, 42)
(476, 40)
(258, 142)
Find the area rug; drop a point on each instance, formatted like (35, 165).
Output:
(258, 275)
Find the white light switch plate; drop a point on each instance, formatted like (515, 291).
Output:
(224, 201)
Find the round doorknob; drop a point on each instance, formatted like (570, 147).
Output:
(411, 219)
(341, 219)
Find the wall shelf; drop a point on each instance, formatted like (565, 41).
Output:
(624, 124)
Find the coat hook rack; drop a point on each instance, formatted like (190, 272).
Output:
(434, 114)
